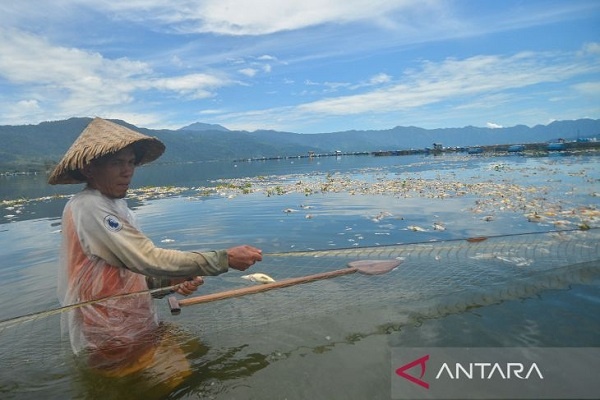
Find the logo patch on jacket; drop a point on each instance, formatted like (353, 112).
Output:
(112, 223)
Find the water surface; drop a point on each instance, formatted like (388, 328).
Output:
(332, 339)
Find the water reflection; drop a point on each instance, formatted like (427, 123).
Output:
(203, 372)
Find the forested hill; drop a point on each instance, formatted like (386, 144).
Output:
(37, 147)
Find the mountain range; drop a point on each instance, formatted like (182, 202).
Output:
(38, 147)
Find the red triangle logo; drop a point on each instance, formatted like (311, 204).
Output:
(420, 361)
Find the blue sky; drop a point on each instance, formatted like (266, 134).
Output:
(301, 66)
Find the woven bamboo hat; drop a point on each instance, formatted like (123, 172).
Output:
(98, 139)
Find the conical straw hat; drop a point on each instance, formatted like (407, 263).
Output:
(100, 138)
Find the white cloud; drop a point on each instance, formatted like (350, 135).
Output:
(28, 59)
(446, 83)
(68, 81)
(451, 78)
(333, 86)
(588, 88)
(65, 81)
(380, 78)
(22, 111)
(28, 105)
(266, 58)
(425, 19)
(194, 85)
(492, 125)
(255, 17)
(250, 72)
(254, 65)
(592, 48)
(211, 112)
(375, 80)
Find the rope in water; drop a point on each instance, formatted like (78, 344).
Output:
(358, 249)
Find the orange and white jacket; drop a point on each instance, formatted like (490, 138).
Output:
(104, 254)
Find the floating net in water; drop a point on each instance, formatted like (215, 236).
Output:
(433, 279)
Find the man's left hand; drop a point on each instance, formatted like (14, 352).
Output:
(187, 287)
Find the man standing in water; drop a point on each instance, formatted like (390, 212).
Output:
(104, 254)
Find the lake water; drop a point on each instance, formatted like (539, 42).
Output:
(533, 283)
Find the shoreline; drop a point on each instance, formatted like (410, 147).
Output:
(526, 150)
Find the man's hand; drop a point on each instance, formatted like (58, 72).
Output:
(187, 287)
(243, 257)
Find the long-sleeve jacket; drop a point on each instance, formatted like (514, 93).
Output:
(104, 254)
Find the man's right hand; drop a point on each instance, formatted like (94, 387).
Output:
(243, 257)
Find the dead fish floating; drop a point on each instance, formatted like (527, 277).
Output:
(259, 277)
(438, 226)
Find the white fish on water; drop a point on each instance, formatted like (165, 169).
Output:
(438, 226)
(259, 278)
(381, 215)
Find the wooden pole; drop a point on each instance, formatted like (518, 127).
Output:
(175, 305)
(367, 267)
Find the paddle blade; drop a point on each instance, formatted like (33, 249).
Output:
(374, 267)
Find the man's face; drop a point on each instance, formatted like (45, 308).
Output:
(112, 174)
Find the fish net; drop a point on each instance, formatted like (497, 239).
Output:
(434, 279)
